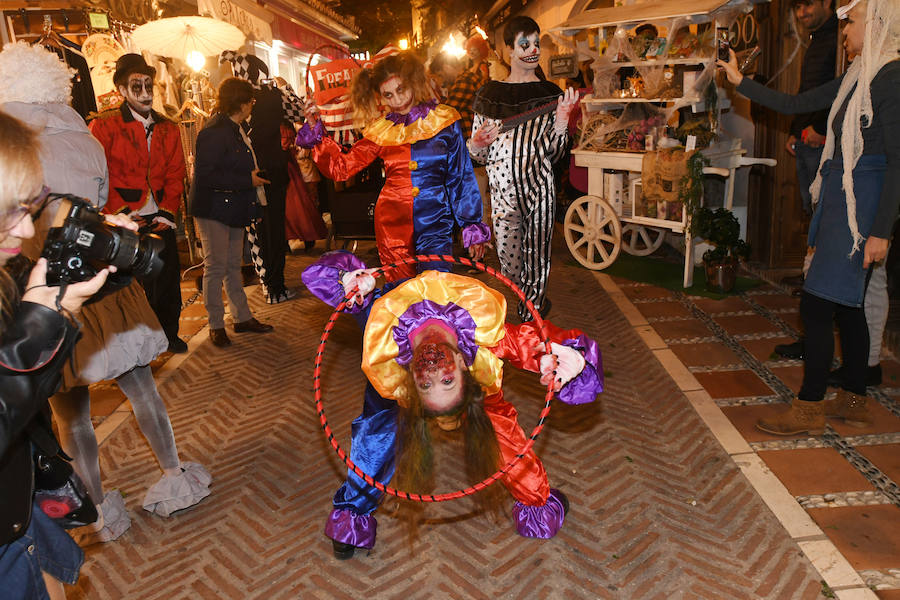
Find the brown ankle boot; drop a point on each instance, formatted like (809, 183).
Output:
(850, 407)
(801, 417)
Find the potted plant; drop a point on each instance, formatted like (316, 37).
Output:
(720, 228)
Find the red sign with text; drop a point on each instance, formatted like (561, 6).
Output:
(332, 79)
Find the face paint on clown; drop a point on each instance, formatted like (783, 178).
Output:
(396, 95)
(437, 367)
(526, 50)
(138, 92)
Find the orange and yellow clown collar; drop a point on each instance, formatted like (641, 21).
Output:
(476, 312)
(385, 132)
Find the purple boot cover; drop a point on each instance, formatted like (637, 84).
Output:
(540, 521)
(349, 528)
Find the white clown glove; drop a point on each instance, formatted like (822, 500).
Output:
(567, 362)
(362, 281)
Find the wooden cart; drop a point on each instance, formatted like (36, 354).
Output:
(602, 223)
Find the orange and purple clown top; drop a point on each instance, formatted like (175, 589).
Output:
(429, 182)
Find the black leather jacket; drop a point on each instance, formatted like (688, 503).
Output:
(32, 351)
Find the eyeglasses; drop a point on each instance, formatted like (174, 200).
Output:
(137, 86)
(33, 207)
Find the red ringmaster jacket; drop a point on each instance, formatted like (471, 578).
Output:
(133, 171)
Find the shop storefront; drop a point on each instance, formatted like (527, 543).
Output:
(303, 34)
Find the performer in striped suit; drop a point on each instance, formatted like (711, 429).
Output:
(520, 161)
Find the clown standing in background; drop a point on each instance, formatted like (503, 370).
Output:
(520, 161)
(430, 185)
(433, 349)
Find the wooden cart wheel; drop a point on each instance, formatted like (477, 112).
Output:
(639, 240)
(593, 232)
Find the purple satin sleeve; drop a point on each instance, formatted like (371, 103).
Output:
(323, 278)
(540, 521)
(453, 315)
(476, 233)
(349, 528)
(310, 137)
(585, 387)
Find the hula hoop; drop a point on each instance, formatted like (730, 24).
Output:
(323, 420)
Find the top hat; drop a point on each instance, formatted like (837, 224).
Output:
(131, 63)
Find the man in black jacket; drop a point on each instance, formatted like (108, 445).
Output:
(807, 138)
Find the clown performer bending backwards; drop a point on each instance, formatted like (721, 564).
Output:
(433, 349)
(429, 182)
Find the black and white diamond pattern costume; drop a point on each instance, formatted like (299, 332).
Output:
(520, 173)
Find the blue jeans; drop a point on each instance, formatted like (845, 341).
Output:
(807, 166)
(45, 547)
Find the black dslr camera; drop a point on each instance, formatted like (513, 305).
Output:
(83, 244)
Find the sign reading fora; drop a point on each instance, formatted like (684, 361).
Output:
(563, 66)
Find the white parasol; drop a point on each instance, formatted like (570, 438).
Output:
(177, 37)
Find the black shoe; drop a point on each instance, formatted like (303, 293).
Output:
(564, 499)
(219, 338)
(342, 551)
(252, 325)
(794, 350)
(873, 377)
(177, 346)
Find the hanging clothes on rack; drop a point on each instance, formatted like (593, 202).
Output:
(83, 100)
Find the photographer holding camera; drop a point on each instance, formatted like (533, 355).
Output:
(37, 333)
(121, 334)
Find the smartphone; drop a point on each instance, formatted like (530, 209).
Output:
(722, 45)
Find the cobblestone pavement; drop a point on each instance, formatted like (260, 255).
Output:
(659, 508)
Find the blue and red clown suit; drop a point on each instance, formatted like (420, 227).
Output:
(429, 181)
(477, 314)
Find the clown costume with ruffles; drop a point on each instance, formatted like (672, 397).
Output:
(429, 182)
(476, 314)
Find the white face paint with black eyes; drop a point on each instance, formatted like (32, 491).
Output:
(526, 50)
(138, 92)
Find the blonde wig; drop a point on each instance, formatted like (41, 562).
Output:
(34, 75)
(365, 93)
(21, 178)
(880, 46)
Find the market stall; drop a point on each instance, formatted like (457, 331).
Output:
(654, 93)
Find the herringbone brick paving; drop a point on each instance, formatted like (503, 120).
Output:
(659, 510)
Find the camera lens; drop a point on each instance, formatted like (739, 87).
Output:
(147, 262)
(138, 254)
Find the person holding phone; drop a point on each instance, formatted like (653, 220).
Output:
(226, 196)
(856, 193)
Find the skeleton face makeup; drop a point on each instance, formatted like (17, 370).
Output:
(138, 92)
(526, 51)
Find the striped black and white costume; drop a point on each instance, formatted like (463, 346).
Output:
(520, 173)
